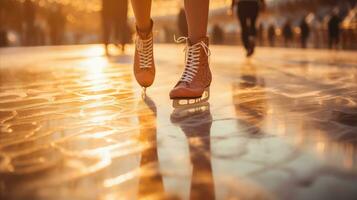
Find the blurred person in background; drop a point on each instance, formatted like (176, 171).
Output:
(29, 23)
(3, 31)
(123, 31)
(271, 35)
(305, 32)
(334, 29)
(115, 23)
(182, 23)
(247, 13)
(56, 22)
(288, 33)
(108, 21)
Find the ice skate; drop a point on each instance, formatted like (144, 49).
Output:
(193, 87)
(144, 66)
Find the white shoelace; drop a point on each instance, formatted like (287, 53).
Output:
(192, 57)
(145, 51)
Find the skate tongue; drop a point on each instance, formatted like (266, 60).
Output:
(202, 39)
(144, 35)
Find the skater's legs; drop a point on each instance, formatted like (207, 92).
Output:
(253, 9)
(303, 42)
(253, 12)
(330, 42)
(106, 35)
(197, 18)
(337, 41)
(120, 36)
(242, 15)
(142, 12)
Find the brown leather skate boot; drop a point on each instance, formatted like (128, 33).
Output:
(193, 87)
(144, 66)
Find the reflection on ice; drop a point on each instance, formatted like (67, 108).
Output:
(280, 126)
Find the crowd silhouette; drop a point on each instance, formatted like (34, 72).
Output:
(299, 23)
(328, 25)
(29, 24)
(115, 23)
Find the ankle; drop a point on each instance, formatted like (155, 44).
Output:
(144, 29)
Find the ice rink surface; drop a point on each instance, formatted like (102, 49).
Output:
(74, 125)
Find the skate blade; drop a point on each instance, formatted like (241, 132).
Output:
(184, 112)
(182, 103)
(143, 93)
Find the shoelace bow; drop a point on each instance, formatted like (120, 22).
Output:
(192, 57)
(145, 51)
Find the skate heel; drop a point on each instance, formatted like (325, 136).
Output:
(206, 93)
(188, 102)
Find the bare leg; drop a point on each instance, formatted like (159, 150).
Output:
(197, 18)
(142, 12)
